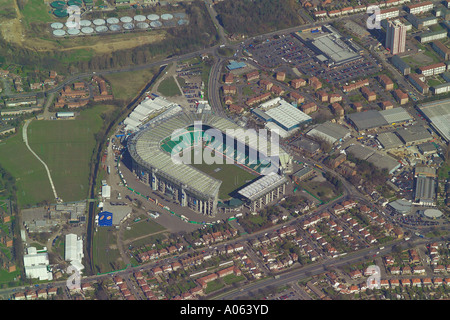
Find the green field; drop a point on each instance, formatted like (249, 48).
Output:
(31, 179)
(106, 256)
(169, 88)
(37, 11)
(125, 85)
(66, 146)
(232, 176)
(141, 229)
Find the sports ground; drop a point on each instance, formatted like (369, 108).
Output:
(66, 146)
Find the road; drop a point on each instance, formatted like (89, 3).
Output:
(314, 269)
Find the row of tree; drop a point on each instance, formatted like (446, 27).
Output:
(252, 17)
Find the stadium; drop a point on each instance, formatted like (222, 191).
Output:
(201, 186)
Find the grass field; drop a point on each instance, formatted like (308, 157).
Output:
(106, 255)
(169, 88)
(66, 147)
(31, 179)
(125, 85)
(141, 229)
(36, 11)
(232, 176)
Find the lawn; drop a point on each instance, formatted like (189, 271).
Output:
(66, 146)
(125, 85)
(37, 11)
(214, 286)
(142, 228)
(169, 88)
(31, 179)
(106, 256)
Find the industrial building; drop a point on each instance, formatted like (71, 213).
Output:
(367, 120)
(425, 191)
(74, 251)
(438, 114)
(389, 140)
(396, 115)
(36, 264)
(283, 115)
(413, 135)
(378, 159)
(263, 191)
(337, 49)
(330, 132)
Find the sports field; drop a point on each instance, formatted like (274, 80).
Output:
(31, 179)
(66, 146)
(231, 175)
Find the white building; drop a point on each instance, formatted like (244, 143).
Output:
(36, 264)
(74, 251)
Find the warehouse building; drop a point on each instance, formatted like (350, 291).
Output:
(413, 135)
(282, 114)
(379, 160)
(330, 132)
(396, 115)
(438, 114)
(367, 120)
(336, 49)
(389, 140)
(74, 251)
(425, 191)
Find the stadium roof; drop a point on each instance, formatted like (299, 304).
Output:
(145, 147)
(367, 120)
(438, 113)
(329, 131)
(396, 115)
(261, 186)
(389, 140)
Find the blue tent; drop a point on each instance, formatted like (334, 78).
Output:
(105, 219)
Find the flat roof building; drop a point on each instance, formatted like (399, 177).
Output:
(414, 135)
(367, 120)
(401, 65)
(330, 132)
(438, 114)
(425, 191)
(389, 140)
(396, 115)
